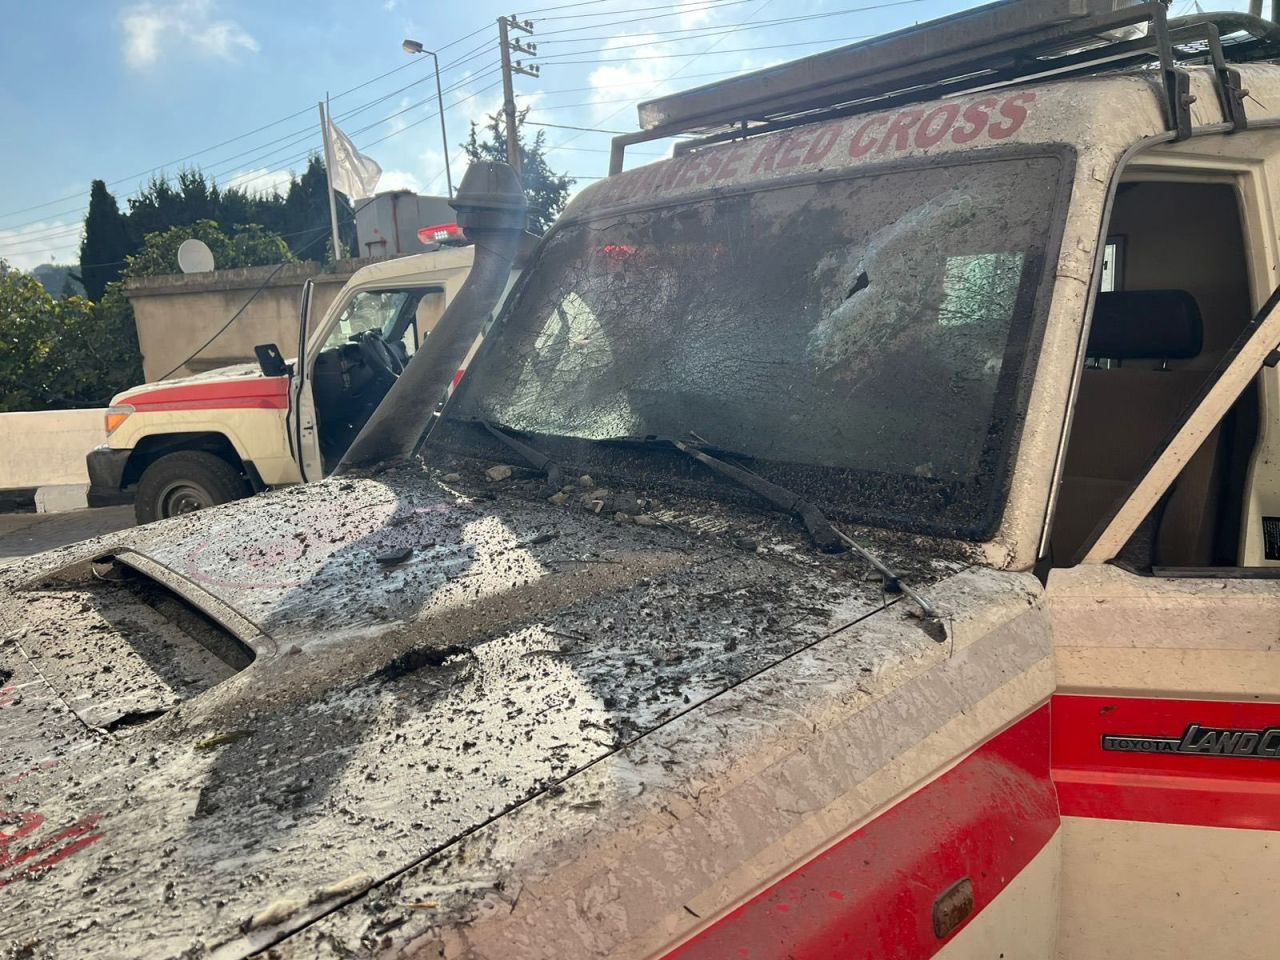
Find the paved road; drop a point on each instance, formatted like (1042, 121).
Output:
(22, 534)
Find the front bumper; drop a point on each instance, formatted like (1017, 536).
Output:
(106, 476)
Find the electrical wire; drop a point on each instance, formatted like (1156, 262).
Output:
(655, 88)
(697, 6)
(38, 238)
(291, 141)
(669, 12)
(565, 126)
(673, 56)
(477, 51)
(243, 307)
(712, 29)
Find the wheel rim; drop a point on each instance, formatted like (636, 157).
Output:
(183, 496)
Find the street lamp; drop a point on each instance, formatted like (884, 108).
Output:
(414, 47)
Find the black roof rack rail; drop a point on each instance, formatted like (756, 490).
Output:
(993, 45)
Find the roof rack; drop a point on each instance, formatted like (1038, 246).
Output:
(994, 45)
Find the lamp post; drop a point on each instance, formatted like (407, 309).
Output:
(414, 47)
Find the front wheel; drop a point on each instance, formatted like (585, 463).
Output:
(185, 482)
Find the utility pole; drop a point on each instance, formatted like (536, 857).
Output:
(505, 25)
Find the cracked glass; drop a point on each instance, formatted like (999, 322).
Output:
(875, 325)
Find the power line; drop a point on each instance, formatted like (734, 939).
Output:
(430, 116)
(673, 9)
(669, 12)
(567, 6)
(635, 153)
(711, 29)
(715, 43)
(565, 126)
(62, 231)
(169, 163)
(243, 307)
(223, 143)
(702, 53)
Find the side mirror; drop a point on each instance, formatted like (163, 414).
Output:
(269, 360)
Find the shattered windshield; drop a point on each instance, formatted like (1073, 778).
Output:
(863, 335)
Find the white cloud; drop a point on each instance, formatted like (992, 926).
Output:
(694, 14)
(399, 180)
(153, 29)
(260, 181)
(646, 77)
(37, 243)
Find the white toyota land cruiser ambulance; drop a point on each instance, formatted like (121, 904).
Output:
(189, 443)
(857, 537)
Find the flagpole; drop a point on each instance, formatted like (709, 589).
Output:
(328, 174)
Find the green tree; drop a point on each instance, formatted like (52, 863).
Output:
(106, 242)
(62, 352)
(245, 246)
(306, 213)
(95, 354)
(164, 204)
(25, 334)
(299, 215)
(546, 190)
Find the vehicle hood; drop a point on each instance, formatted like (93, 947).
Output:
(235, 371)
(427, 656)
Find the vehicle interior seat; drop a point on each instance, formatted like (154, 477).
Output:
(1124, 414)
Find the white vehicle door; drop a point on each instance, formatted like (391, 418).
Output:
(303, 439)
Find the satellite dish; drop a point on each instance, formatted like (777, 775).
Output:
(194, 256)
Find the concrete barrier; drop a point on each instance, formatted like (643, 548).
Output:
(43, 452)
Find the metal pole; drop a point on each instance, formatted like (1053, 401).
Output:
(328, 176)
(509, 98)
(444, 136)
(1255, 8)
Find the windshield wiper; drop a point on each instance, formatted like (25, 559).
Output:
(824, 533)
(530, 455)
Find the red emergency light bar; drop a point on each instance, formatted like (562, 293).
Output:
(442, 233)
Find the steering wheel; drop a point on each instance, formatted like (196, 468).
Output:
(378, 355)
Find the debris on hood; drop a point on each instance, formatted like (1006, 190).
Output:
(385, 711)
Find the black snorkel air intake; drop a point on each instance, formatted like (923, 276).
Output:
(492, 211)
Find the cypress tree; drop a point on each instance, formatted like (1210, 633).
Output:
(105, 244)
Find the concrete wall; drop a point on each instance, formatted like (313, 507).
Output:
(176, 314)
(42, 452)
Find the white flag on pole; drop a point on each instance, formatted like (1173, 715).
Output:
(353, 173)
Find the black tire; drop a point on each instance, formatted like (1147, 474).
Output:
(184, 482)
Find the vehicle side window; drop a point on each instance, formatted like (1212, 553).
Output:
(407, 315)
(1174, 297)
(368, 310)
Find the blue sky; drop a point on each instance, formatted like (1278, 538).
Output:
(121, 90)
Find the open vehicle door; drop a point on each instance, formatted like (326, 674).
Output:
(301, 423)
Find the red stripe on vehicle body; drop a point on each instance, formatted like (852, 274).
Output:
(1200, 790)
(872, 894)
(259, 393)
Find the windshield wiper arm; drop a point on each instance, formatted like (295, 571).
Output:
(825, 534)
(815, 522)
(530, 455)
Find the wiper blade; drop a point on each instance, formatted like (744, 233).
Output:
(815, 522)
(824, 533)
(530, 455)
